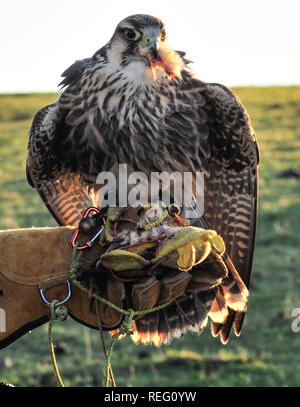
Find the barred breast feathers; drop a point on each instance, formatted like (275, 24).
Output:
(119, 92)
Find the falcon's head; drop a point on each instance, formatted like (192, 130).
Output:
(140, 46)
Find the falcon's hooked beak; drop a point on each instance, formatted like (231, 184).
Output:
(158, 54)
(153, 48)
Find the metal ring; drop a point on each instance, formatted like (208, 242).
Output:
(60, 302)
(176, 207)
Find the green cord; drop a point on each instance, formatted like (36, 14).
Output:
(56, 313)
(108, 373)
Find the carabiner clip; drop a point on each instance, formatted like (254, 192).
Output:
(90, 242)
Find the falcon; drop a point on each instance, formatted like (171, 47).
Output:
(137, 101)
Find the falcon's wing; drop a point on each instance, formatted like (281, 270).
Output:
(230, 199)
(60, 186)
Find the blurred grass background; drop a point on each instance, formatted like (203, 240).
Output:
(266, 354)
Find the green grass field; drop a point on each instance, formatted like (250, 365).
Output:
(267, 352)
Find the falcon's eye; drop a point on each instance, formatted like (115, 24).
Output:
(132, 35)
(163, 35)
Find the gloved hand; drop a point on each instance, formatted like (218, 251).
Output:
(163, 259)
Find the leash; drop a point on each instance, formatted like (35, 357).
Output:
(108, 373)
(58, 312)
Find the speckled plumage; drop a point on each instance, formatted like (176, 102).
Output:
(113, 111)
